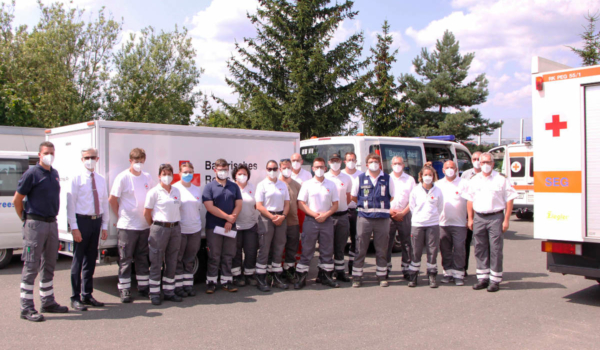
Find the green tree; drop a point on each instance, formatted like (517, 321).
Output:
(590, 54)
(440, 101)
(54, 75)
(382, 110)
(291, 77)
(155, 81)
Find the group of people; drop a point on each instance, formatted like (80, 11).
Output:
(253, 232)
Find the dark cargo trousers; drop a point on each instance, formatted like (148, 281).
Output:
(246, 252)
(425, 238)
(402, 229)
(163, 244)
(133, 245)
(271, 243)
(489, 243)
(221, 251)
(313, 231)
(188, 249)
(352, 217)
(40, 251)
(452, 247)
(292, 243)
(341, 231)
(380, 230)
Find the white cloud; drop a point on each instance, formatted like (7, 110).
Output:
(513, 99)
(497, 83)
(398, 40)
(344, 31)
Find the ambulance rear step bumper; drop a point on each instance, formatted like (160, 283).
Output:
(587, 264)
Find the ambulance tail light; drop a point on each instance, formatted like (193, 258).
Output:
(360, 134)
(539, 83)
(324, 138)
(313, 137)
(561, 248)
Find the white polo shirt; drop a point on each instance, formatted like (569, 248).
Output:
(131, 191)
(165, 205)
(356, 185)
(302, 176)
(425, 206)
(455, 206)
(403, 184)
(319, 196)
(489, 194)
(248, 217)
(191, 208)
(352, 204)
(343, 183)
(272, 194)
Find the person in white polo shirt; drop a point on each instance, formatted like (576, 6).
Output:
(490, 201)
(426, 204)
(162, 211)
(191, 230)
(453, 225)
(319, 199)
(350, 170)
(298, 174)
(273, 203)
(400, 214)
(341, 221)
(127, 198)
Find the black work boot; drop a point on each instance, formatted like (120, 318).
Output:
(125, 296)
(176, 298)
(412, 279)
(261, 282)
(301, 280)
(356, 282)
(55, 309)
(239, 281)
(320, 276)
(251, 280)
(493, 287)
(190, 291)
(32, 315)
(269, 279)
(340, 275)
(290, 275)
(327, 280)
(278, 281)
(432, 280)
(481, 284)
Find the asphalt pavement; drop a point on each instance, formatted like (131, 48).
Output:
(534, 309)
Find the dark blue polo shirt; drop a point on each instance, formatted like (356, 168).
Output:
(223, 198)
(42, 188)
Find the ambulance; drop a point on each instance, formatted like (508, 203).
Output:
(566, 129)
(516, 163)
(163, 143)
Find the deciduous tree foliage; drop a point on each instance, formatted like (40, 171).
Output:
(292, 77)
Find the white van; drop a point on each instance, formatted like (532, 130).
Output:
(163, 143)
(12, 165)
(414, 151)
(516, 163)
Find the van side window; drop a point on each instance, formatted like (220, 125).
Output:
(309, 153)
(498, 154)
(464, 161)
(531, 167)
(438, 155)
(10, 173)
(412, 155)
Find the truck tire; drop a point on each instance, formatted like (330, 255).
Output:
(201, 263)
(5, 257)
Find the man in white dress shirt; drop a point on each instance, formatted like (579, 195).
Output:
(87, 212)
(490, 201)
(298, 174)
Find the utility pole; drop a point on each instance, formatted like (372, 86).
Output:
(479, 140)
(521, 133)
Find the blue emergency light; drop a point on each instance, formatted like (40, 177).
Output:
(442, 137)
(528, 139)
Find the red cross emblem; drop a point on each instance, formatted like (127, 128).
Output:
(197, 197)
(250, 192)
(432, 197)
(556, 126)
(456, 192)
(175, 197)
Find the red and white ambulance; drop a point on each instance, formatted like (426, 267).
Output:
(566, 129)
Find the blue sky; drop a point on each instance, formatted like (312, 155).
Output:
(504, 34)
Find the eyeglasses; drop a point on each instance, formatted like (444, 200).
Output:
(93, 158)
(272, 169)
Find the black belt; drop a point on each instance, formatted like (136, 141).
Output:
(276, 212)
(166, 224)
(90, 217)
(490, 214)
(41, 218)
(340, 213)
(351, 209)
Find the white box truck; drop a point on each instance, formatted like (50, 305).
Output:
(566, 129)
(163, 144)
(18, 151)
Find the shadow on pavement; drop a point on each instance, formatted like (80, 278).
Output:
(589, 296)
(513, 236)
(510, 278)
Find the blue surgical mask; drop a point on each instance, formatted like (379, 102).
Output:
(187, 177)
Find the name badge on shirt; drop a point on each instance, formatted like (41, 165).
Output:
(383, 191)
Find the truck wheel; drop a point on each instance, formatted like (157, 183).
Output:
(5, 257)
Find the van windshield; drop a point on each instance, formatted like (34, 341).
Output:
(412, 155)
(10, 173)
(309, 153)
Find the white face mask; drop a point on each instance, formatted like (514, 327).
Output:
(319, 172)
(427, 179)
(242, 179)
(273, 174)
(373, 166)
(335, 166)
(350, 165)
(166, 180)
(476, 164)
(450, 172)
(138, 167)
(286, 172)
(296, 165)
(486, 168)
(48, 159)
(222, 174)
(397, 168)
(89, 164)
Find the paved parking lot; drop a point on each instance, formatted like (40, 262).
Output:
(533, 310)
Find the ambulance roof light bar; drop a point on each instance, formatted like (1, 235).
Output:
(442, 137)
